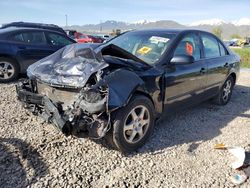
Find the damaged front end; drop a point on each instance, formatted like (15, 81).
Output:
(75, 90)
(60, 89)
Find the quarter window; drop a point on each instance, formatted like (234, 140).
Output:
(189, 45)
(223, 51)
(211, 46)
(58, 40)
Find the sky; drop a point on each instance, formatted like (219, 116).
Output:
(80, 12)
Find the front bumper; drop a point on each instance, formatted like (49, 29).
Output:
(73, 120)
(40, 105)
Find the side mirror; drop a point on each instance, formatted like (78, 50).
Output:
(182, 59)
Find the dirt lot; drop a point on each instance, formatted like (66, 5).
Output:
(179, 154)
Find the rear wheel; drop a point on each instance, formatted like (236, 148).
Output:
(226, 92)
(133, 124)
(8, 70)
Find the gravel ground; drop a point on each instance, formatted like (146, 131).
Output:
(179, 154)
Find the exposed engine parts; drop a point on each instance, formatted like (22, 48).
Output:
(76, 89)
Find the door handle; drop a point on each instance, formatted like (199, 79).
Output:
(226, 65)
(203, 71)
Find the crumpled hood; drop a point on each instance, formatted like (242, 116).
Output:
(70, 66)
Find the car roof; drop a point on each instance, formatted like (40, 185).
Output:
(13, 29)
(34, 25)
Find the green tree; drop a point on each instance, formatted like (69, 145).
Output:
(217, 31)
(235, 36)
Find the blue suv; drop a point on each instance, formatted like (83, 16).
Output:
(22, 44)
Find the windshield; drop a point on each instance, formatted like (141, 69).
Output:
(146, 46)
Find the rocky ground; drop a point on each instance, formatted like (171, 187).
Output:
(179, 154)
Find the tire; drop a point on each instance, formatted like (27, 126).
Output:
(130, 130)
(9, 70)
(225, 93)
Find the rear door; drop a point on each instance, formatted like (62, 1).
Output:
(185, 82)
(217, 59)
(30, 46)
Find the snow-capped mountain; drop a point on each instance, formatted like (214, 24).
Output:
(218, 22)
(214, 21)
(240, 27)
(242, 21)
(141, 22)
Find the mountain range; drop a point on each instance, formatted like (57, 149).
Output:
(240, 27)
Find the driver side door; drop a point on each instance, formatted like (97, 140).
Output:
(185, 83)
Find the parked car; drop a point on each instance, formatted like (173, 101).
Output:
(71, 33)
(117, 90)
(84, 39)
(20, 46)
(35, 25)
(96, 39)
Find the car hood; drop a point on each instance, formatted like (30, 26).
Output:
(72, 65)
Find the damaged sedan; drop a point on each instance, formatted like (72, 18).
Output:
(117, 90)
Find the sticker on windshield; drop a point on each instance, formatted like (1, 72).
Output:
(144, 50)
(155, 39)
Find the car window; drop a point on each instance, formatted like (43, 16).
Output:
(223, 51)
(147, 46)
(58, 40)
(189, 45)
(30, 38)
(18, 37)
(211, 46)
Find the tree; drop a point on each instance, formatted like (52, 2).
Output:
(217, 31)
(235, 36)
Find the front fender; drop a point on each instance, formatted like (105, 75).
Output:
(121, 85)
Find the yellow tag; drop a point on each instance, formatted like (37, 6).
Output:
(144, 50)
(220, 146)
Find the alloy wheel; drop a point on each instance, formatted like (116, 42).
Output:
(226, 90)
(6, 70)
(136, 124)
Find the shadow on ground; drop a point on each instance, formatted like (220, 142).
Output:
(198, 124)
(20, 164)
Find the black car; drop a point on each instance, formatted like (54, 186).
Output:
(118, 89)
(22, 44)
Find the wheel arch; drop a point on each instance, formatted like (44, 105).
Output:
(233, 74)
(143, 93)
(11, 58)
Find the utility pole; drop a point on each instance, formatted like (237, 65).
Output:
(66, 19)
(100, 26)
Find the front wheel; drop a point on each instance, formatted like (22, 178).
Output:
(226, 92)
(8, 70)
(133, 124)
